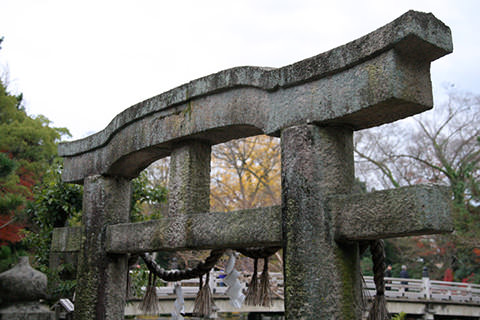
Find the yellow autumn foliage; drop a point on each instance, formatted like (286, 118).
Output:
(245, 174)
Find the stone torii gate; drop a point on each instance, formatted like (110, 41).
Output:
(314, 106)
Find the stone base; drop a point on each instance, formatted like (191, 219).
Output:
(26, 311)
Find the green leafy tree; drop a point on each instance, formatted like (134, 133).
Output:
(8, 201)
(147, 198)
(54, 204)
(27, 149)
(28, 146)
(58, 204)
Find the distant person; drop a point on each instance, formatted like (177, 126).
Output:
(448, 275)
(404, 275)
(388, 274)
(425, 272)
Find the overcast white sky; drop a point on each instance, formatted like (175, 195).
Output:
(80, 63)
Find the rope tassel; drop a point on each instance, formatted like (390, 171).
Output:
(204, 303)
(251, 297)
(379, 307)
(150, 301)
(264, 290)
(259, 294)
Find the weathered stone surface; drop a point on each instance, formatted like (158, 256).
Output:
(101, 277)
(237, 229)
(392, 213)
(22, 283)
(66, 243)
(382, 214)
(26, 311)
(188, 187)
(68, 239)
(322, 277)
(386, 70)
(21, 289)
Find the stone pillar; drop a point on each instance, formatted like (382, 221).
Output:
(188, 185)
(102, 277)
(321, 276)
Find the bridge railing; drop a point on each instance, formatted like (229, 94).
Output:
(190, 286)
(456, 292)
(424, 289)
(427, 289)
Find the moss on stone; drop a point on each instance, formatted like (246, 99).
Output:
(346, 258)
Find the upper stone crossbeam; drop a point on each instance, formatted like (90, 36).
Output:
(379, 78)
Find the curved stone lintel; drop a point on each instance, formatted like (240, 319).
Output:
(379, 78)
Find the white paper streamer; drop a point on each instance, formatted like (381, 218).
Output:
(234, 291)
(179, 304)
